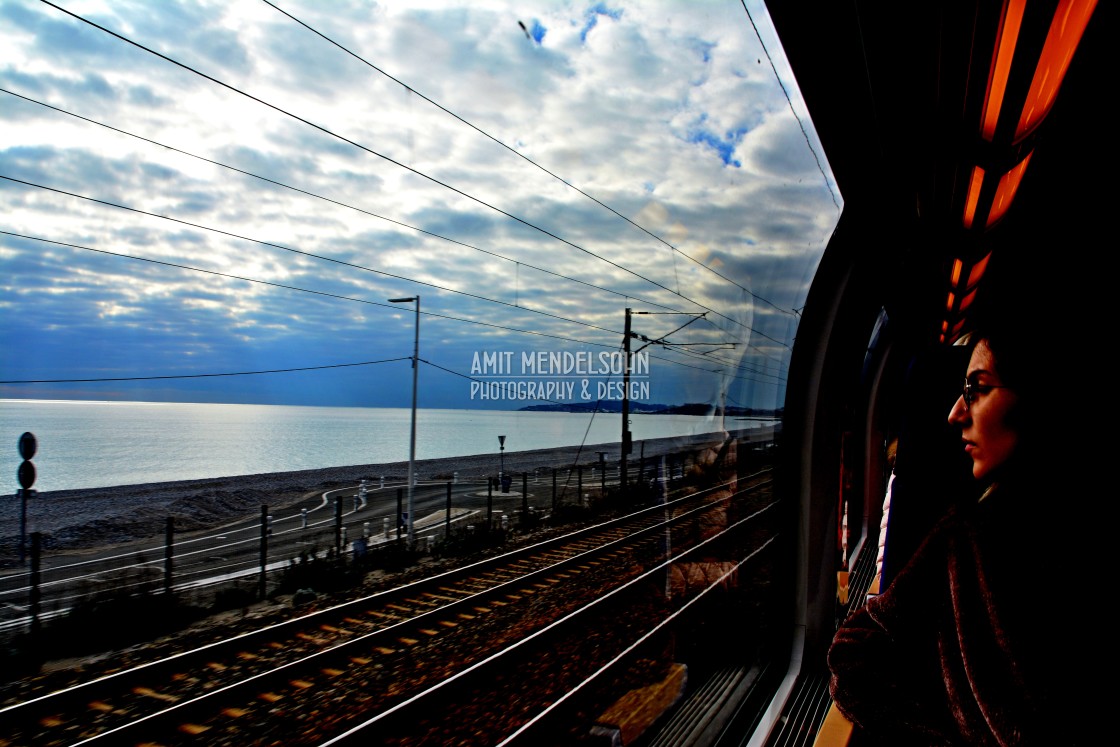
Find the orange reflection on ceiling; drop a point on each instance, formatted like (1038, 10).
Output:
(1065, 33)
(978, 270)
(973, 197)
(1009, 26)
(1005, 192)
(967, 300)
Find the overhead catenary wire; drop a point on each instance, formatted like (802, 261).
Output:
(350, 264)
(312, 255)
(296, 288)
(526, 158)
(586, 432)
(680, 347)
(621, 294)
(204, 375)
(410, 169)
(804, 133)
(436, 315)
(327, 199)
(481, 381)
(325, 258)
(727, 366)
(590, 420)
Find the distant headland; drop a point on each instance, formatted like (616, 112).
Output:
(649, 408)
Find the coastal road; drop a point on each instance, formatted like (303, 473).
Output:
(235, 551)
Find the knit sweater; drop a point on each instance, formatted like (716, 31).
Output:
(971, 643)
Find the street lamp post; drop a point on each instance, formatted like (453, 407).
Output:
(412, 438)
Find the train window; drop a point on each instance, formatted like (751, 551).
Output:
(415, 369)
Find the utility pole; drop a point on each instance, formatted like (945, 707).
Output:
(627, 440)
(409, 522)
(627, 443)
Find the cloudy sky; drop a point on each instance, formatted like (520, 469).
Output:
(197, 188)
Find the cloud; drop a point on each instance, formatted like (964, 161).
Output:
(624, 156)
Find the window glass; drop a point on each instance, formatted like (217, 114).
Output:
(249, 239)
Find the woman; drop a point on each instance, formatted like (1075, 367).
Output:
(969, 645)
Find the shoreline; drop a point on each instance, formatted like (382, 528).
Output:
(87, 518)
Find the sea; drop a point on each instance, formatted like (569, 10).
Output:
(86, 444)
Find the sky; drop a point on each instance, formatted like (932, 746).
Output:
(196, 192)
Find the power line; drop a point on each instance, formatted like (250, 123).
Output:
(296, 288)
(727, 366)
(313, 255)
(521, 155)
(432, 314)
(804, 133)
(327, 199)
(204, 375)
(479, 381)
(341, 262)
(339, 203)
(586, 432)
(410, 169)
(663, 343)
(301, 290)
(306, 254)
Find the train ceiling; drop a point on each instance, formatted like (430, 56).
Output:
(937, 121)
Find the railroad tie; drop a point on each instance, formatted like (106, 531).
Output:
(148, 692)
(444, 598)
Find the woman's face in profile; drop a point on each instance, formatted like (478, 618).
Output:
(988, 438)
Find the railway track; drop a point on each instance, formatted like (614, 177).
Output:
(317, 675)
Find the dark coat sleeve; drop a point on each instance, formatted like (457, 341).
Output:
(960, 649)
(885, 663)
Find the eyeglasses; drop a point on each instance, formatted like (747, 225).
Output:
(971, 389)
